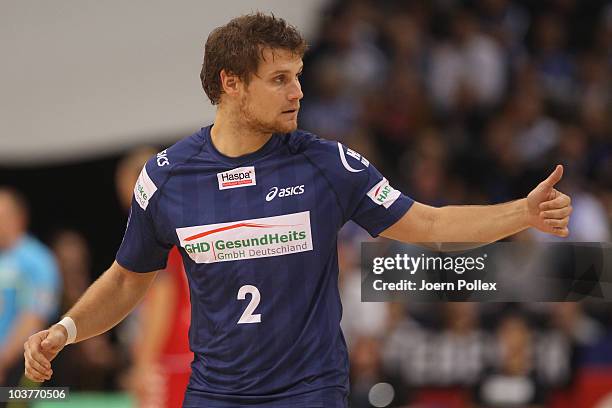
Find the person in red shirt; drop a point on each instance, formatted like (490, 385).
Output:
(161, 369)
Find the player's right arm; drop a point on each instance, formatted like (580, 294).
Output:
(142, 253)
(107, 301)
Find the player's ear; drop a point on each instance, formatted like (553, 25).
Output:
(229, 82)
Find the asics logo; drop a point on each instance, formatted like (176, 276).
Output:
(284, 192)
(162, 158)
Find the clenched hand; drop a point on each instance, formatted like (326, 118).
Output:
(40, 349)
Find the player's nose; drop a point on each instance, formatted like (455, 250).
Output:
(295, 92)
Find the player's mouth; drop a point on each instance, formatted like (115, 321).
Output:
(291, 111)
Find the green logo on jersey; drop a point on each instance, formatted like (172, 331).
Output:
(383, 194)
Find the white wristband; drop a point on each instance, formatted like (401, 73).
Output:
(68, 323)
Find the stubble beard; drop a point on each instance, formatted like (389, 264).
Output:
(255, 124)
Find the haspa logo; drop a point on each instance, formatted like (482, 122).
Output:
(247, 239)
(383, 194)
(240, 177)
(284, 192)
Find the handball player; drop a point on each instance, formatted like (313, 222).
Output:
(254, 207)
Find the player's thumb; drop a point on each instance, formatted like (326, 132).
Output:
(554, 177)
(53, 342)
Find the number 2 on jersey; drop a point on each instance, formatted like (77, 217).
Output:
(247, 315)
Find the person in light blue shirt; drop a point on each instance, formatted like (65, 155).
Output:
(29, 285)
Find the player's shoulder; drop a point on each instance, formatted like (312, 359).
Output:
(158, 169)
(330, 154)
(160, 165)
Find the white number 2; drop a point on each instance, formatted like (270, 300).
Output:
(248, 316)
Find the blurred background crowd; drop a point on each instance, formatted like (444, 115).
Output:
(455, 102)
(472, 102)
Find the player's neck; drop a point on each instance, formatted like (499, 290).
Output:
(233, 139)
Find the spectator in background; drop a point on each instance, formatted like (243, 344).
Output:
(454, 84)
(396, 115)
(502, 157)
(333, 111)
(460, 348)
(398, 110)
(571, 319)
(536, 133)
(400, 345)
(409, 41)
(507, 22)
(511, 382)
(594, 105)
(29, 285)
(452, 356)
(349, 35)
(428, 175)
(370, 386)
(161, 355)
(556, 69)
(560, 348)
(87, 365)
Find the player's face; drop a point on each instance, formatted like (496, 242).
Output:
(271, 101)
(11, 220)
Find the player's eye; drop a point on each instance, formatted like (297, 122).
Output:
(279, 79)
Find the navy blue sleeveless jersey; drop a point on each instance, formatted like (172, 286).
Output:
(257, 235)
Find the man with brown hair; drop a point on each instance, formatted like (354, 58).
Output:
(254, 207)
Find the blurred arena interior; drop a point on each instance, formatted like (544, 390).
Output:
(456, 102)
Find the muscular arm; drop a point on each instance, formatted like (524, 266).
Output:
(545, 208)
(454, 224)
(105, 303)
(108, 300)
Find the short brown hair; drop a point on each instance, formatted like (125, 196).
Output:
(237, 48)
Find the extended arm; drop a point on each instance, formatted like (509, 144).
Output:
(545, 208)
(468, 223)
(107, 301)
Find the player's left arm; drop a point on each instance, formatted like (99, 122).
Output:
(545, 209)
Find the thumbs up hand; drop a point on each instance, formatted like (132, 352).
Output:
(548, 208)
